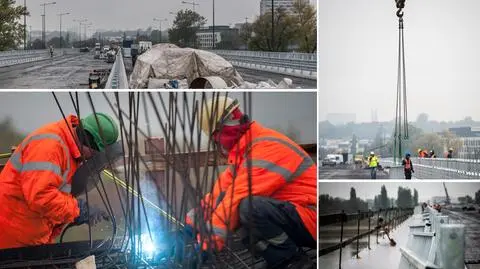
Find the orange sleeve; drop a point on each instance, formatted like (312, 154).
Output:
(272, 165)
(40, 180)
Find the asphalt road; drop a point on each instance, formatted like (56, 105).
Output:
(63, 72)
(347, 172)
(256, 76)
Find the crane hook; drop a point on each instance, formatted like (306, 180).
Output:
(400, 5)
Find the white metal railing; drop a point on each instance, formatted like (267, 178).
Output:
(433, 243)
(14, 57)
(437, 168)
(118, 75)
(292, 63)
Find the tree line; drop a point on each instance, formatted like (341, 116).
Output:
(405, 199)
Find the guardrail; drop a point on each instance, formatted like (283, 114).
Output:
(14, 57)
(363, 224)
(118, 75)
(289, 63)
(437, 168)
(433, 243)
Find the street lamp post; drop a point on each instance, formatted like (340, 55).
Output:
(80, 21)
(60, 15)
(160, 27)
(25, 25)
(191, 3)
(273, 26)
(44, 26)
(213, 24)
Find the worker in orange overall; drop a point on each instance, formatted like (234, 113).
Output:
(280, 213)
(35, 199)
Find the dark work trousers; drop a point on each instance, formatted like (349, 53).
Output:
(408, 173)
(276, 228)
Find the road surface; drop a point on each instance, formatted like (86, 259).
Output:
(63, 72)
(71, 72)
(347, 172)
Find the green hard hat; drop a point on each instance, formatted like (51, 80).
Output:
(109, 129)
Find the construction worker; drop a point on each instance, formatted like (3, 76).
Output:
(35, 184)
(420, 153)
(450, 153)
(283, 188)
(432, 154)
(407, 166)
(373, 164)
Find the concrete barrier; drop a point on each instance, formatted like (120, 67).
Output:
(433, 243)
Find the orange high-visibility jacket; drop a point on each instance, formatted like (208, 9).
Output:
(35, 199)
(280, 169)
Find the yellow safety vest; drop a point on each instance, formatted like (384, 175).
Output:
(372, 161)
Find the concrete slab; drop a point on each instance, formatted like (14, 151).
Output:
(382, 256)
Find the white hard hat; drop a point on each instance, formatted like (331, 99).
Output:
(214, 111)
(372, 153)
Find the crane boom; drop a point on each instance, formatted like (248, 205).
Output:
(447, 201)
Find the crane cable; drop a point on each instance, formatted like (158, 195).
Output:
(400, 114)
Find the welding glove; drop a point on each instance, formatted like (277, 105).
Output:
(96, 214)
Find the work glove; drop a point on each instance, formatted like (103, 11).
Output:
(96, 214)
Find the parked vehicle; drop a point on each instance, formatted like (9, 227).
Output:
(332, 160)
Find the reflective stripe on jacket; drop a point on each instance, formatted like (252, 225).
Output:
(34, 197)
(280, 169)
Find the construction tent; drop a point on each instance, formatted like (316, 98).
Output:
(168, 61)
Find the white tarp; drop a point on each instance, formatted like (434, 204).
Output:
(167, 61)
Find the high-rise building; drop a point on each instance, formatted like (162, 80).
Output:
(266, 5)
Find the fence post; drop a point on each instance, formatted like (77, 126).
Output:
(378, 216)
(341, 239)
(369, 229)
(358, 231)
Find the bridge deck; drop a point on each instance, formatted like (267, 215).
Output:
(382, 255)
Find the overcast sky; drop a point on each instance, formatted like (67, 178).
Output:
(426, 190)
(358, 44)
(273, 109)
(112, 14)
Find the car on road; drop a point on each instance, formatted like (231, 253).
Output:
(332, 160)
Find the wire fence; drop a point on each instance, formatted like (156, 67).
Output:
(339, 230)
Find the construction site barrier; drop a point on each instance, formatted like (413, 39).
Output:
(435, 168)
(433, 243)
(14, 57)
(363, 224)
(289, 63)
(118, 75)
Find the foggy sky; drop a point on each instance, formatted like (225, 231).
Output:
(272, 109)
(426, 190)
(130, 15)
(358, 58)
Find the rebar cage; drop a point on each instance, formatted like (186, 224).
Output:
(162, 167)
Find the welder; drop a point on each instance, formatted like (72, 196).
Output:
(35, 199)
(280, 211)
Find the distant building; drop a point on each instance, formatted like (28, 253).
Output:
(266, 5)
(205, 35)
(341, 118)
(470, 137)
